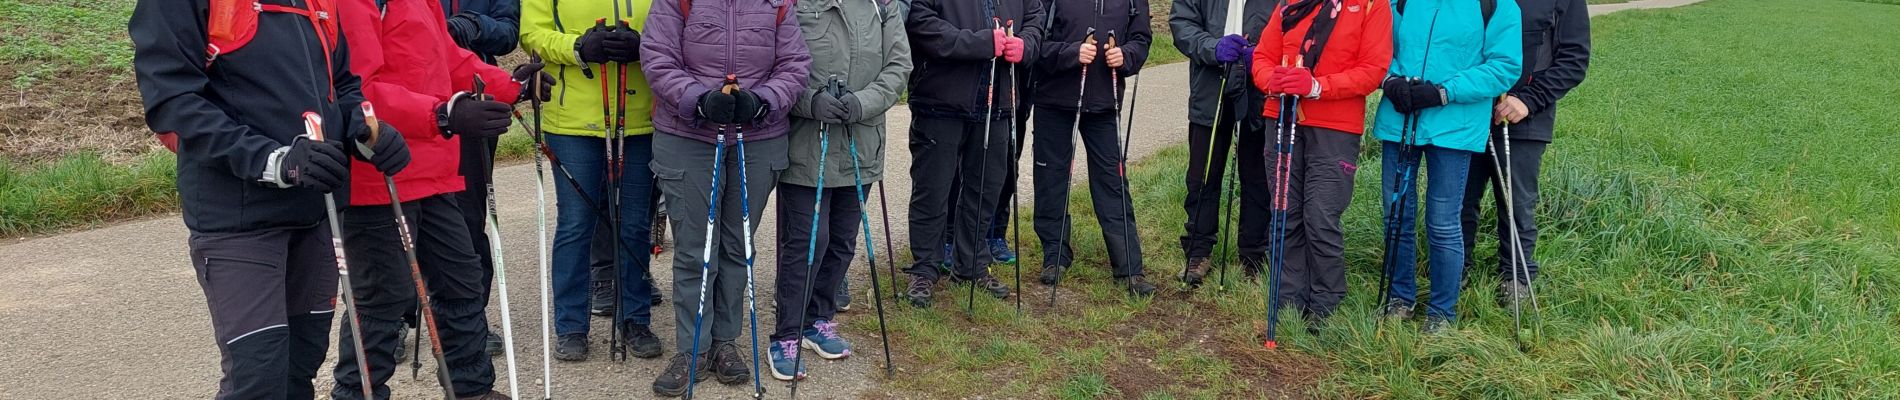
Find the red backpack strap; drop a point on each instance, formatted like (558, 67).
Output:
(781, 11)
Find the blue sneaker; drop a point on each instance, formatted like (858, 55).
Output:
(783, 360)
(999, 250)
(823, 338)
(844, 295)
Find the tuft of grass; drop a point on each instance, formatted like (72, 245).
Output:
(84, 189)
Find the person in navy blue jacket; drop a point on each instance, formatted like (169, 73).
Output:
(490, 29)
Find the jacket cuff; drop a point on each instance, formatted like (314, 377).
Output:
(272, 164)
(689, 105)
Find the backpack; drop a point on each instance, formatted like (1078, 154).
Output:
(233, 23)
(1489, 7)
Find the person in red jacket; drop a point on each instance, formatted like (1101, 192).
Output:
(1330, 54)
(425, 89)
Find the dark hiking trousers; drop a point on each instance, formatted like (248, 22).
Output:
(1527, 158)
(685, 169)
(1313, 277)
(385, 290)
(950, 167)
(999, 224)
(837, 244)
(478, 169)
(1054, 155)
(1204, 204)
(271, 297)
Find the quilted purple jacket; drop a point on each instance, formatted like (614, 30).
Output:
(686, 55)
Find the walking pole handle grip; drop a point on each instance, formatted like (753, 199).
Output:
(313, 126)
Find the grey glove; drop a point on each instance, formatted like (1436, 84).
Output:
(837, 110)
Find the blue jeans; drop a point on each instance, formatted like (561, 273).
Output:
(586, 158)
(1444, 198)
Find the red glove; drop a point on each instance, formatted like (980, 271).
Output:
(1296, 81)
(1001, 40)
(1013, 51)
(1272, 85)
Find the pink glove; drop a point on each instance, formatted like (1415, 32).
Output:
(1013, 51)
(1296, 81)
(1001, 40)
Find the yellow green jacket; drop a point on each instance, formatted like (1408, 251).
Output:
(550, 29)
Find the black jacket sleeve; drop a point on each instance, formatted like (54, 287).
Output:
(499, 28)
(168, 43)
(1191, 36)
(1570, 59)
(1140, 35)
(933, 36)
(1031, 29)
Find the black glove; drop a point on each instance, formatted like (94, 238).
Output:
(527, 75)
(313, 165)
(747, 106)
(629, 49)
(479, 118)
(389, 154)
(463, 29)
(837, 110)
(600, 45)
(1395, 89)
(716, 106)
(1417, 94)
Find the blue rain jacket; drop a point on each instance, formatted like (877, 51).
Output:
(1474, 60)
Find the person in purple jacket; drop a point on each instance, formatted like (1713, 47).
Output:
(722, 87)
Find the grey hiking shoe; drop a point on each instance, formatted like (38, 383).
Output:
(728, 366)
(995, 288)
(1434, 325)
(1137, 285)
(919, 291)
(1397, 309)
(1051, 274)
(571, 347)
(1195, 271)
(1511, 292)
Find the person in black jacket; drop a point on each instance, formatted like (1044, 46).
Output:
(1556, 55)
(1214, 113)
(1108, 38)
(251, 182)
(961, 53)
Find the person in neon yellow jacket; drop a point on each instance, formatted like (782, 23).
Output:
(584, 43)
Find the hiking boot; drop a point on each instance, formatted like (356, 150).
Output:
(1314, 323)
(1511, 292)
(491, 395)
(844, 295)
(571, 347)
(402, 344)
(495, 345)
(727, 365)
(1397, 309)
(1434, 325)
(999, 251)
(919, 291)
(823, 339)
(1051, 273)
(672, 380)
(1195, 271)
(639, 339)
(603, 299)
(785, 364)
(656, 300)
(995, 288)
(1137, 285)
(1250, 268)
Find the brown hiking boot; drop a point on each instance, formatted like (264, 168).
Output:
(1137, 286)
(1196, 271)
(491, 395)
(994, 287)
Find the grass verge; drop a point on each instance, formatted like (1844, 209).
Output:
(84, 189)
(1717, 224)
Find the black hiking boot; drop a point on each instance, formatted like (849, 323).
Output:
(1137, 285)
(1511, 292)
(402, 344)
(728, 366)
(1051, 274)
(989, 284)
(1397, 309)
(639, 339)
(571, 347)
(919, 291)
(602, 299)
(495, 345)
(1195, 271)
(672, 380)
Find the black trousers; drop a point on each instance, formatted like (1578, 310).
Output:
(1205, 178)
(837, 237)
(1054, 156)
(385, 290)
(271, 295)
(1319, 187)
(1527, 159)
(999, 224)
(951, 167)
(478, 170)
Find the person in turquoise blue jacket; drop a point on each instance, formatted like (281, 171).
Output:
(1451, 60)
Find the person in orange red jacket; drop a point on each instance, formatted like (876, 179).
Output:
(424, 89)
(1330, 54)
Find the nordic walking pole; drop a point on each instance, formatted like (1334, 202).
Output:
(541, 244)
(409, 248)
(616, 350)
(982, 168)
(313, 130)
(1520, 267)
(745, 215)
(705, 258)
(1128, 137)
(1015, 192)
(1080, 94)
(870, 253)
(811, 246)
(501, 270)
(1287, 137)
(890, 254)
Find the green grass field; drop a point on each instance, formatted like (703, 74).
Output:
(1720, 219)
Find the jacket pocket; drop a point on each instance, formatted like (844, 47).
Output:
(666, 173)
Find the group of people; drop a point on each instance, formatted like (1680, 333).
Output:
(278, 108)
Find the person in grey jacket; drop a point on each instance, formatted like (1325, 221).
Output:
(860, 61)
(1213, 111)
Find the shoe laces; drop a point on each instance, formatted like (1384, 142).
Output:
(788, 348)
(827, 329)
